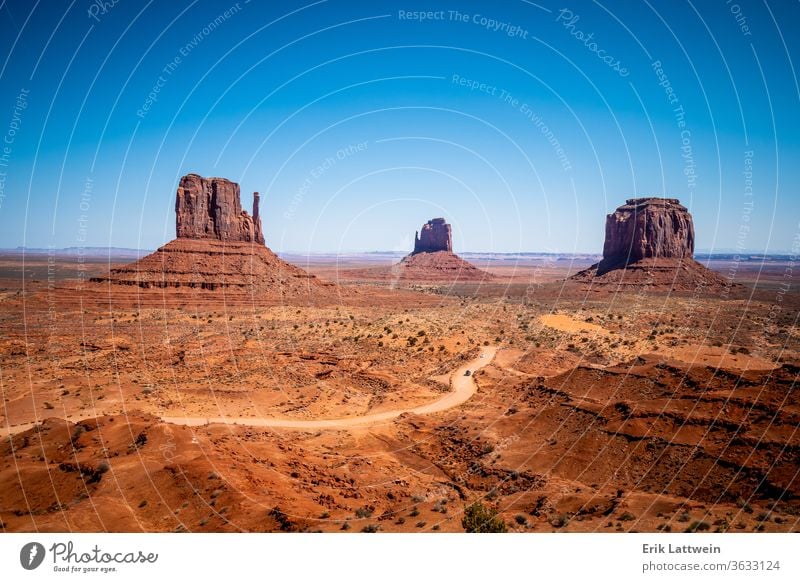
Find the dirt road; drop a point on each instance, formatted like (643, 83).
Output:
(462, 389)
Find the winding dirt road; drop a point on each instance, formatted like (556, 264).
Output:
(462, 389)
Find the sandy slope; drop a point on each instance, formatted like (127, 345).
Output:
(463, 387)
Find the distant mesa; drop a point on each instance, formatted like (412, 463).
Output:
(436, 235)
(650, 241)
(645, 228)
(433, 259)
(218, 246)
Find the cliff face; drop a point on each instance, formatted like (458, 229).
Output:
(210, 208)
(650, 243)
(219, 246)
(645, 228)
(436, 235)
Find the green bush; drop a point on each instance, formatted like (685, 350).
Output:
(481, 519)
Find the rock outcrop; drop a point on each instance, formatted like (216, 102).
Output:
(218, 246)
(210, 208)
(648, 228)
(433, 259)
(436, 235)
(650, 242)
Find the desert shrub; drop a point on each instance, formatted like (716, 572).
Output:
(282, 520)
(371, 528)
(481, 519)
(698, 526)
(744, 505)
(364, 512)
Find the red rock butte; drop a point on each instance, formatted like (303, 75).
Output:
(650, 241)
(648, 228)
(436, 235)
(218, 246)
(210, 208)
(433, 259)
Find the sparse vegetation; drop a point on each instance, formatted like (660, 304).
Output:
(698, 526)
(481, 519)
(364, 512)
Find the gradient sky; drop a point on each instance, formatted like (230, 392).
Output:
(278, 96)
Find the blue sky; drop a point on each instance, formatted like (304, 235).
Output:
(522, 123)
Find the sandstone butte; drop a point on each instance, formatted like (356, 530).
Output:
(436, 235)
(650, 241)
(218, 246)
(433, 259)
(210, 208)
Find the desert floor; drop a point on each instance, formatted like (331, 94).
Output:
(585, 409)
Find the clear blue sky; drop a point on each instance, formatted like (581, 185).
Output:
(574, 116)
